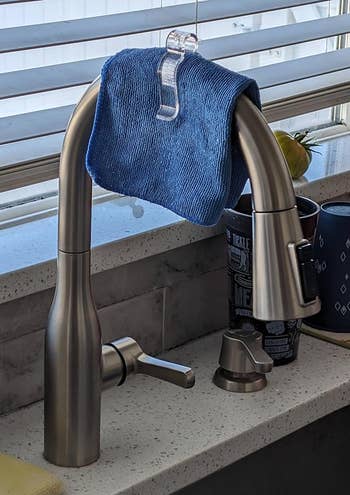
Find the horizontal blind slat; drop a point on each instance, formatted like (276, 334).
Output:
(267, 39)
(52, 77)
(334, 89)
(54, 120)
(106, 26)
(332, 82)
(34, 124)
(300, 68)
(316, 93)
(308, 95)
(70, 74)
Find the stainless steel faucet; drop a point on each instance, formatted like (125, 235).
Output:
(76, 365)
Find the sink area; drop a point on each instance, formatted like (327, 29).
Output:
(312, 460)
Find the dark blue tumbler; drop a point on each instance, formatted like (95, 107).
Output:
(332, 254)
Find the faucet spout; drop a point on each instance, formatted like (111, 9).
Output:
(284, 286)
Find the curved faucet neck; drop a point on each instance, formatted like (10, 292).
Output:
(277, 293)
(271, 184)
(75, 192)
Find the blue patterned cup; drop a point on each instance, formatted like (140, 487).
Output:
(332, 252)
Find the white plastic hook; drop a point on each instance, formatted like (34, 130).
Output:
(177, 44)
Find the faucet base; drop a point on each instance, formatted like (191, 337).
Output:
(73, 368)
(250, 382)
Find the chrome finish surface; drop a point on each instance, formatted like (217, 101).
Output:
(277, 291)
(113, 367)
(252, 382)
(136, 361)
(74, 356)
(271, 183)
(124, 357)
(74, 229)
(72, 367)
(243, 362)
(276, 226)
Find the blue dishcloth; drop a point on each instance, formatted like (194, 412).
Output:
(191, 165)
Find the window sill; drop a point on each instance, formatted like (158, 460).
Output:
(126, 230)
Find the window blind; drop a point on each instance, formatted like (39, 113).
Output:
(290, 87)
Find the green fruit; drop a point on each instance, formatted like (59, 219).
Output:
(297, 149)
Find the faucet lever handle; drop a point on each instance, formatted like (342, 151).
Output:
(165, 370)
(136, 361)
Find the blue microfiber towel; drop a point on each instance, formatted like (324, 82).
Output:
(191, 165)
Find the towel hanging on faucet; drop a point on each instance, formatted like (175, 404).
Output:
(191, 165)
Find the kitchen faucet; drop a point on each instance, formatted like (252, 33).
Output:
(77, 366)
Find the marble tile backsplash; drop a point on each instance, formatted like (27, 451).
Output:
(162, 301)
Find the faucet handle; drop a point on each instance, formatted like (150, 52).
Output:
(165, 370)
(128, 353)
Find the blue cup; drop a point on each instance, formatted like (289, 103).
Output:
(332, 254)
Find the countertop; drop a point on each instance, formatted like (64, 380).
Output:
(157, 438)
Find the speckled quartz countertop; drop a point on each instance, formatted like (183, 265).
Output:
(157, 438)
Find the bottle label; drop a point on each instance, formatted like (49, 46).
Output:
(240, 274)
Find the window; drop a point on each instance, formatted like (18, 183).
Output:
(50, 50)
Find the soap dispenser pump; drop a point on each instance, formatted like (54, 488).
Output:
(243, 362)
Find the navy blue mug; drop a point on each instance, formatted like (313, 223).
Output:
(332, 254)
